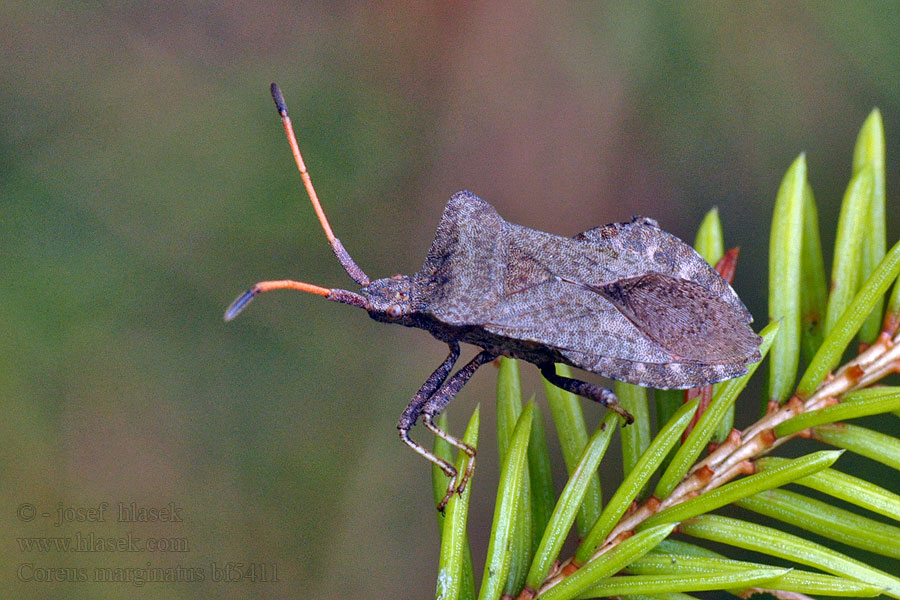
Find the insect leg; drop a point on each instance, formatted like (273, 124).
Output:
(436, 404)
(414, 410)
(604, 396)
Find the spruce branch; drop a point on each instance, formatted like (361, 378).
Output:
(624, 548)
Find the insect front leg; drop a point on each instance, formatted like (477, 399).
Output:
(603, 395)
(414, 408)
(436, 404)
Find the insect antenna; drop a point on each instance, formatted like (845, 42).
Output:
(338, 295)
(343, 256)
(342, 296)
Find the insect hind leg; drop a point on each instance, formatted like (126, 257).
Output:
(603, 395)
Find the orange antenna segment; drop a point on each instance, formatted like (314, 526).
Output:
(288, 284)
(241, 302)
(349, 265)
(298, 158)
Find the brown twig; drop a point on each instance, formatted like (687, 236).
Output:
(736, 455)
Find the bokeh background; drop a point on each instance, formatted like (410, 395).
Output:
(145, 181)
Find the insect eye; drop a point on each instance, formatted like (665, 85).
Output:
(394, 311)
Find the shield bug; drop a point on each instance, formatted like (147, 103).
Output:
(625, 300)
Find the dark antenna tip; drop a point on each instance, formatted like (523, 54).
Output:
(239, 304)
(278, 97)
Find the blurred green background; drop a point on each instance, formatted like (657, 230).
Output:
(145, 181)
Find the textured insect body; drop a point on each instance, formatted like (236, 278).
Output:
(626, 300)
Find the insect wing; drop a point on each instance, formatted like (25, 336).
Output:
(625, 300)
(641, 247)
(684, 317)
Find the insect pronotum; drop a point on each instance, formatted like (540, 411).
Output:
(625, 300)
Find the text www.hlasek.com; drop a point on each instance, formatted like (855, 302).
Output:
(89, 542)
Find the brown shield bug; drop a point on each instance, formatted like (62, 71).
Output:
(625, 300)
